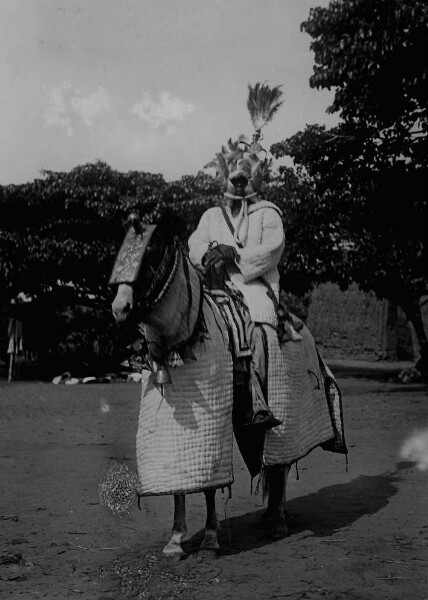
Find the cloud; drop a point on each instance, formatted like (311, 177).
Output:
(56, 112)
(166, 110)
(90, 106)
(65, 105)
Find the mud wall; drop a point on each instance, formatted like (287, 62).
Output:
(356, 324)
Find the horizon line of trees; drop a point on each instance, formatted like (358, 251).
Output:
(355, 202)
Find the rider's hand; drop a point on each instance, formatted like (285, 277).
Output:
(220, 253)
(229, 253)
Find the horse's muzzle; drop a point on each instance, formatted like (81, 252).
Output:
(123, 303)
(121, 313)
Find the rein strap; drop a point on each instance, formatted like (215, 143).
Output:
(230, 225)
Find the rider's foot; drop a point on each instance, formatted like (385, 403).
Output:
(263, 419)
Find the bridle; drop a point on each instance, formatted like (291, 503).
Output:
(133, 263)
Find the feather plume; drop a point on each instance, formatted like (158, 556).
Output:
(222, 167)
(225, 161)
(263, 102)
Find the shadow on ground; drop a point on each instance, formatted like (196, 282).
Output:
(372, 373)
(320, 514)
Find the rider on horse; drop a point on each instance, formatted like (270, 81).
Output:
(239, 246)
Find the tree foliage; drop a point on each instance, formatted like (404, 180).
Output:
(59, 234)
(369, 172)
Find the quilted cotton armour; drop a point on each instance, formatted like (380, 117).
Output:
(184, 438)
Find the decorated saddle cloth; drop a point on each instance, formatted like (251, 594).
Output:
(297, 385)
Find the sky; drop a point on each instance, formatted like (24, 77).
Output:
(151, 85)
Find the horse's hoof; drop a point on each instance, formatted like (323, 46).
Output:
(279, 532)
(173, 553)
(172, 557)
(209, 547)
(208, 553)
(267, 518)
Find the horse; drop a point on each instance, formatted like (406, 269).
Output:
(158, 288)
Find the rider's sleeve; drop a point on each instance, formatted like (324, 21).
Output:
(200, 240)
(257, 260)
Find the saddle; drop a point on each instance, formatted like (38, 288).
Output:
(250, 353)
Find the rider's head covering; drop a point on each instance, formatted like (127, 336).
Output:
(240, 160)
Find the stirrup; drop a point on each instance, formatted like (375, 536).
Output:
(263, 419)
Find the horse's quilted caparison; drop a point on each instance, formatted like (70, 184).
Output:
(184, 438)
(297, 398)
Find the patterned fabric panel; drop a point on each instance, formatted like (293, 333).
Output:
(184, 438)
(237, 324)
(130, 256)
(297, 398)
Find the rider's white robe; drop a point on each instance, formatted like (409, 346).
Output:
(258, 259)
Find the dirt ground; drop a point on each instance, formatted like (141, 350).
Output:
(356, 534)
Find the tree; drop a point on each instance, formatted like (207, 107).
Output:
(370, 171)
(59, 234)
(58, 239)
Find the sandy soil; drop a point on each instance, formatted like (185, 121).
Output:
(356, 534)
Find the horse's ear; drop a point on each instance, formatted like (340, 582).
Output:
(166, 224)
(172, 224)
(134, 221)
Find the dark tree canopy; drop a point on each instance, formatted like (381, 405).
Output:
(373, 53)
(369, 173)
(60, 233)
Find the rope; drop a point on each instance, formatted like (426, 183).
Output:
(227, 518)
(189, 287)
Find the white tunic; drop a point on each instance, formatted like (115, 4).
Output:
(258, 260)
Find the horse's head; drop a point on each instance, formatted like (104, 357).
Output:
(140, 266)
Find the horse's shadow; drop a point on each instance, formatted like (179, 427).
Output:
(321, 514)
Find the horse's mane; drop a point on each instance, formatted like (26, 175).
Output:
(170, 225)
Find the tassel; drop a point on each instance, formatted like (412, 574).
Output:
(173, 360)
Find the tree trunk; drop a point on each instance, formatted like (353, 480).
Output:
(389, 340)
(417, 313)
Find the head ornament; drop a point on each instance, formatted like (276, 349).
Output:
(242, 162)
(239, 158)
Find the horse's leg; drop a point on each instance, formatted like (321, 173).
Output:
(276, 514)
(173, 548)
(209, 545)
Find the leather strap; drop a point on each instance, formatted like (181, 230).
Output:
(230, 225)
